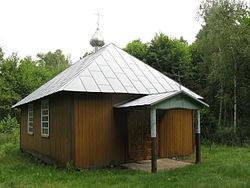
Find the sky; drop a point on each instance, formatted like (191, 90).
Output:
(29, 27)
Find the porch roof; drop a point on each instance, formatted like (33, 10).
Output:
(156, 99)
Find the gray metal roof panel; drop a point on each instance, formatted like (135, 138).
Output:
(152, 99)
(110, 70)
(145, 100)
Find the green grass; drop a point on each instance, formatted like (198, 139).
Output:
(221, 167)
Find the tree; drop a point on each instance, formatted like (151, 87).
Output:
(221, 42)
(137, 49)
(31, 75)
(19, 77)
(1, 55)
(8, 84)
(170, 56)
(55, 62)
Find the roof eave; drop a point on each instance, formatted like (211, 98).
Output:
(177, 93)
(120, 105)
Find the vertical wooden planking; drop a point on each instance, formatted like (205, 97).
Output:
(57, 146)
(98, 134)
(176, 136)
(83, 129)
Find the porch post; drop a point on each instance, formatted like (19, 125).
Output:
(197, 137)
(153, 140)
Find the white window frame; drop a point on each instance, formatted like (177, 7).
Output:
(30, 124)
(45, 115)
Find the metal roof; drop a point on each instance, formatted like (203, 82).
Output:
(109, 70)
(152, 99)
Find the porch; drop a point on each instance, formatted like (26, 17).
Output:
(149, 139)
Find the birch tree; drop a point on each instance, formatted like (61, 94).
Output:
(220, 41)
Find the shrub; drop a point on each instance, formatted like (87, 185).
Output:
(8, 124)
(223, 134)
(208, 126)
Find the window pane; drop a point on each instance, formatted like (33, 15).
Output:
(45, 112)
(45, 131)
(45, 118)
(30, 107)
(45, 104)
(45, 125)
(30, 129)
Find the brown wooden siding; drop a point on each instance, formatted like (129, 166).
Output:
(57, 146)
(175, 133)
(100, 131)
(85, 128)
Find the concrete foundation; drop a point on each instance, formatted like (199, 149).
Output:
(162, 164)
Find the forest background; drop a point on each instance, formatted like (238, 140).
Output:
(216, 66)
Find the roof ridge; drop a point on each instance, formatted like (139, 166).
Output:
(83, 67)
(89, 63)
(117, 71)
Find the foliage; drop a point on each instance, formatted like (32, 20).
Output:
(8, 84)
(223, 44)
(170, 56)
(31, 76)
(137, 49)
(221, 167)
(19, 77)
(208, 126)
(54, 60)
(10, 138)
(216, 66)
(8, 124)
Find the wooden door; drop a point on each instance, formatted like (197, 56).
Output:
(175, 133)
(139, 142)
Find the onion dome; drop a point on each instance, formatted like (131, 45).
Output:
(96, 40)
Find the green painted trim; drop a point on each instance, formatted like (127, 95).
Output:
(178, 101)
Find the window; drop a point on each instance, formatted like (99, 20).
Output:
(30, 119)
(45, 118)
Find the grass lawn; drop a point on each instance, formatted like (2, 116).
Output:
(221, 167)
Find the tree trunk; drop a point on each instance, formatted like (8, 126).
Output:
(235, 102)
(235, 93)
(220, 112)
(225, 113)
